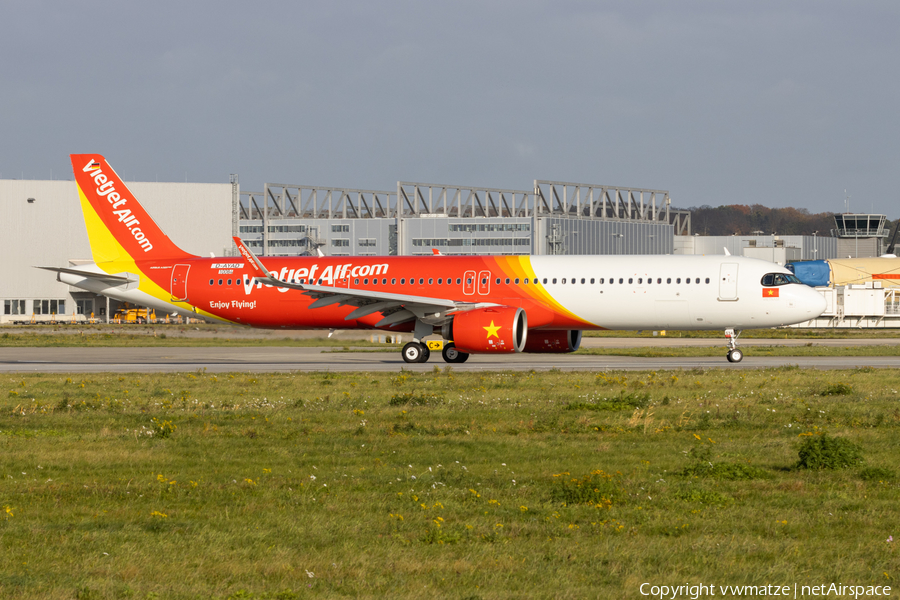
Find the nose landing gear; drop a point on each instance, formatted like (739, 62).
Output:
(734, 353)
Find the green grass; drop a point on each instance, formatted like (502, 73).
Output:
(442, 484)
(122, 339)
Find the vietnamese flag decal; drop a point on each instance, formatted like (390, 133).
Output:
(770, 292)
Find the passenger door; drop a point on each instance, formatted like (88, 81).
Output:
(179, 282)
(728, 278)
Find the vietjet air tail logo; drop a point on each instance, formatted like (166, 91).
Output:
(106, 187)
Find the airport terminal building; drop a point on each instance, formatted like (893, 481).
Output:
(418, 218)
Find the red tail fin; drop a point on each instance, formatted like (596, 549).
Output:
(118, 226)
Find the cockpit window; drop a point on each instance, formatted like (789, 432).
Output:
(773, 279)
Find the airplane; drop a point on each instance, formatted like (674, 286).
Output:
(478, 304)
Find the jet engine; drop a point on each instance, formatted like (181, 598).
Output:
(498, 329)
(553, 341)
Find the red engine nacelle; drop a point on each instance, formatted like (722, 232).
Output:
(497, 329)
(553, 341)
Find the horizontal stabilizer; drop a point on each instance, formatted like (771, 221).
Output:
(114, 279)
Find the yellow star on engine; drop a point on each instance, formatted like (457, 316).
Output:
(492, 330)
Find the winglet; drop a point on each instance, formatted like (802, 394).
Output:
(436, 252)
(727, 253)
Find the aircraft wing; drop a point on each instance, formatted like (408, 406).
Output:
(105, 277)
(396, 308)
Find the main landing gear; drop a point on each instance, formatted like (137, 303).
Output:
(417, 352)
(734, 353)
(452, 355)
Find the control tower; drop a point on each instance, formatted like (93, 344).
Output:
(860, 235)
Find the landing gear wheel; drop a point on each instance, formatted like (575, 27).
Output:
(414, 352)
(452, 355)
(426, 354)
(734, 354)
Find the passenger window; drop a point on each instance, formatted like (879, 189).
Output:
(430, 281)
(649, 280)
(212, 281)
(229, 282)
(563, 280)
(458, 281)
(688, 280)
(469, 280)
(545, 281)
(220, 282)
(355, 281)
(393, 282)
(611, 280)
(582, 280)
(554, 280)
(498, 281)
(421, 281)
(707, 280)
(366, 281)
(592, 280)
(517, 281)
(678, 280)
(440, 280)
(601, 280)
(484, 282)
(668, 280)
(621, 280)
(659, 280)
(630, 280)
(526, 281)
(640, 280)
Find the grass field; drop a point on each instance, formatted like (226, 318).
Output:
(123, 339)
(443, 484)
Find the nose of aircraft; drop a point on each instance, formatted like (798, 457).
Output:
(813, 302)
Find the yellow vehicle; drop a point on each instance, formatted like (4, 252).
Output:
(126, 314)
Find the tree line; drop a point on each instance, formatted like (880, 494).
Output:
(756, 219)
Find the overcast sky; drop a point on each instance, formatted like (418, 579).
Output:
(777, 103)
